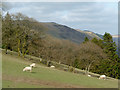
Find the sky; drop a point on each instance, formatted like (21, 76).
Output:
(98, 17)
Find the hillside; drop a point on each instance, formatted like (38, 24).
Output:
(45, 77)
(59, 43)
(90, 33)
(57, 31)
(67, 33)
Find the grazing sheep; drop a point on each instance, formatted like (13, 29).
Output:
(89, 75)
(52, 66)
(102, 77)
(27, 69)
(32, 65)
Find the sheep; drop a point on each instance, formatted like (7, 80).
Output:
(32, 65)
(89, 75)
(102, 77)
(52, 66)
(27, 69)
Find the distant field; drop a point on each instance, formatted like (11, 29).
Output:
(44, 77)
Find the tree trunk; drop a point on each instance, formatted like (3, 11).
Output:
(23, 48)
(6, 50)
(86, 70)
(89, 66)
(18, 47)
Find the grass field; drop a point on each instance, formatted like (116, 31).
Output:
(44, 77)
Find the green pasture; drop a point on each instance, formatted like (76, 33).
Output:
(45, 77)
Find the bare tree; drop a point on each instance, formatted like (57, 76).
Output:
(89, 54)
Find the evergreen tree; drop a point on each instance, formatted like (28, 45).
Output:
(110, 65)
(86, 39)
(98, 42)
(109, 46)
(95, 40)
(112, 61)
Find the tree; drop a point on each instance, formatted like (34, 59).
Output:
(90, 54)
(76, 63)
(99, 42)
(110, 65)
(86, 39)
(113, 59)
(95, 40)
(107, 37)
(7, 31)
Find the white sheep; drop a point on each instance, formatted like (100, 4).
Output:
(89, 75)
(102, 77)
(27, 69)
(32, 65)
(52, 66)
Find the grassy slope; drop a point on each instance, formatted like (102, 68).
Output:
(45, 77)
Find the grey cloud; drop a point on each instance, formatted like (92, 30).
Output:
(99, 17)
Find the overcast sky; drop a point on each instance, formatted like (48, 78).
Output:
(99, 17)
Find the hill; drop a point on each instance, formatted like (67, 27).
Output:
(45, 77)
(90, 33)
(67, 33)
(55, 42)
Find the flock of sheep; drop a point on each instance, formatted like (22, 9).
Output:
(34, 65)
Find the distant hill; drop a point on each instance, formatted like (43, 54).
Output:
(116, 39)
(92, 34)
(67, 33)
(101, 36)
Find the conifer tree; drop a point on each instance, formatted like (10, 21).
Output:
(112, 61)
(86, 39)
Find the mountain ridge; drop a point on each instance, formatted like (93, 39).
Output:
(67, 33)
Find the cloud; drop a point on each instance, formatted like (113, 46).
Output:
(96, 16)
